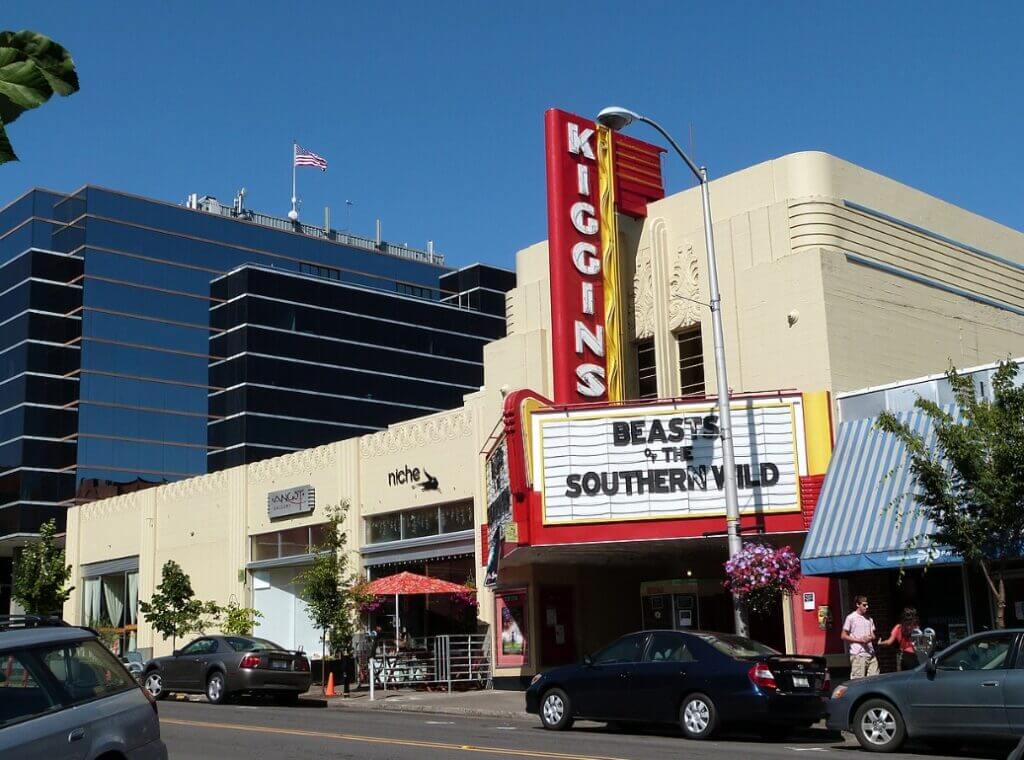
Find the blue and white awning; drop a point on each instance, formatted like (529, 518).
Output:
(865, 518)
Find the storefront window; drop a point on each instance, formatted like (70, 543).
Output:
(457, 517)
(111, 604)
(293, 542)
(420, 523)
(381, 528)
(318, 535)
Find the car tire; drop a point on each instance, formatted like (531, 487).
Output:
(153, 682)
(289, 698)
(216, 688)
(698, 716)
(878, 726)
(556, 710)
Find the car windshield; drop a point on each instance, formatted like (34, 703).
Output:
(250, 644)
(737, 647)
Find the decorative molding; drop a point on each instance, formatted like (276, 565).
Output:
(643, 286)
(684, 289)
(288, 465)
(115, 505)
(197, 486)
(424, 431)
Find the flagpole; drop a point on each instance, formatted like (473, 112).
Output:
(294, 213)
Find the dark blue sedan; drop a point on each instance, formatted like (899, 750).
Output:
(700, 681)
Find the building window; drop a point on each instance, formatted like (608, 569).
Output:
(293, 542)
(111, 606)
(420, 523)
(691, 361)
(414, 290)
(328, 273)
(646, 369)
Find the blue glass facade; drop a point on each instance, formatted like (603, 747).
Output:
(302, 360)
(118, 324)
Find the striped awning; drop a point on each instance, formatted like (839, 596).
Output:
(865, 518)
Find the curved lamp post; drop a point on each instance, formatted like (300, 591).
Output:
(616, 118)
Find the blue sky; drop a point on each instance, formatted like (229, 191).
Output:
(431, 113)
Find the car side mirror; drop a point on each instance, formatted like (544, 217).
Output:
(588, 660)
(931, 666)
(176, 653)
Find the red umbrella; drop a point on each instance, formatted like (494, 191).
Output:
(404, 584)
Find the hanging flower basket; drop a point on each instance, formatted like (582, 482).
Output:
(760, 574)
(365, 600)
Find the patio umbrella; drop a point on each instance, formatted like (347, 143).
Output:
(405, 584)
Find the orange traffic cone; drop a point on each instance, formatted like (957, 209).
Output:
(329, 692)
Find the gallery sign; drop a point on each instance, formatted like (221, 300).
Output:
(665, 461)
(291, 501)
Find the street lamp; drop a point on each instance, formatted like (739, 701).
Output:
(616, 118)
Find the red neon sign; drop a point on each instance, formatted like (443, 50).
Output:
(574, 259)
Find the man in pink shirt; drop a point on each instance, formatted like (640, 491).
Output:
(859, 633)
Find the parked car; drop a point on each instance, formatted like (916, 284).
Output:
(224, 666)
(135, 663)
(64, 695)
(972, 690)
(697, 679)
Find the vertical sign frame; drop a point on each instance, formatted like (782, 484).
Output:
(578, 348)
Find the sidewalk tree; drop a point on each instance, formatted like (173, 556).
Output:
(32, 69)
(41, 575)
(970, 484)
(326, 585)
(238, 620)
(173, 610)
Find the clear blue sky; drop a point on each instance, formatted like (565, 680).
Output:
(431, 113)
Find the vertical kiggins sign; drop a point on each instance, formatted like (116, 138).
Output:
(574, 259)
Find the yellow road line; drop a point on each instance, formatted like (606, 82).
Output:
(382, 740)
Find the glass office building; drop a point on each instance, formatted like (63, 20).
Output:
(302, 360)
(111, 366)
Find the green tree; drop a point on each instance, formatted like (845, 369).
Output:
(32, 69)
(173, 610)
(326, 585)
(41, 575)
(239, 620)
(970, 484)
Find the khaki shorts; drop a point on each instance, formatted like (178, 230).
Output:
(862, 665)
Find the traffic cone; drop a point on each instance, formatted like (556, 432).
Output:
(329, 692)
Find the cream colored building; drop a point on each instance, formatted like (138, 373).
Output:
(833, 278)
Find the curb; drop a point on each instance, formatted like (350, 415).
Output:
(384, 706)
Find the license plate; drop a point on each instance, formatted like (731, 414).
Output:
(283, 665)
(801, 682)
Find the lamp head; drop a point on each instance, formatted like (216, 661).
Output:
(616, 117)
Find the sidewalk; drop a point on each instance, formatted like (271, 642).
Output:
(486, 703)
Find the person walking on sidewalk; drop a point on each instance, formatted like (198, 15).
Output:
(903, 636)
(859, 633)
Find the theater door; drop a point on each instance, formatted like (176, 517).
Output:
(557, 617)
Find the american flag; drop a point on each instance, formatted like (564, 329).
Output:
(305, 157)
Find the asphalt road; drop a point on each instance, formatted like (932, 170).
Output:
(196, 731)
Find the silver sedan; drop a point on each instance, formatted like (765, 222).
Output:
(225, 666)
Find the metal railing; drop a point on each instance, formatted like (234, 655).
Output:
(443, 661)
(343, 238)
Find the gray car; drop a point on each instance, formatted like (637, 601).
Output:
(64, 695)
(974, 690)
(224, 666)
